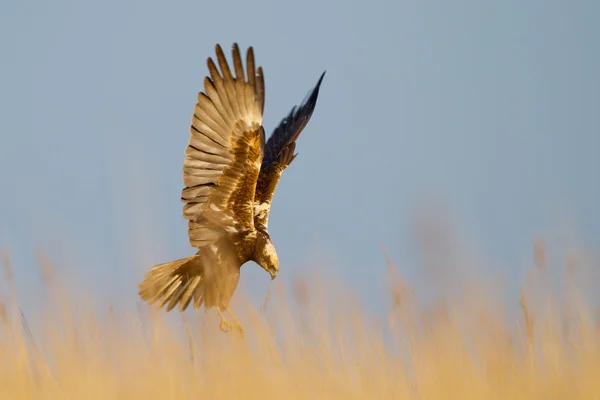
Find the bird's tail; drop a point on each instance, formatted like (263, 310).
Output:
(175, 282)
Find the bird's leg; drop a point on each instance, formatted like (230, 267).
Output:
(235, 321)
(225, 325)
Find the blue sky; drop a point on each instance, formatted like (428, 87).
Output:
(488, 108)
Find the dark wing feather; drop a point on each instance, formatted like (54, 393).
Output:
(224, 153)
(279, 154)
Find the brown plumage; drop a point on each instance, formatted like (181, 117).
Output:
(230, 176)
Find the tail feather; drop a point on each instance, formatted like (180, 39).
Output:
(175, 282)
(188, 294)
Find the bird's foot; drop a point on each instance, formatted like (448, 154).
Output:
(225, 325)
(236, 323)
(239, 328)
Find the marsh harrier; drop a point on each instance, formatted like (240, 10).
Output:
(230, 175)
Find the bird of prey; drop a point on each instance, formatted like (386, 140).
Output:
(230, 175)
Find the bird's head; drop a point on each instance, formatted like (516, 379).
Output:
(265, 254)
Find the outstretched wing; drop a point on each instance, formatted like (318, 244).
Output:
(279, 153)
(225, 151)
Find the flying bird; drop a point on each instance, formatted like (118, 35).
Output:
(230, 175)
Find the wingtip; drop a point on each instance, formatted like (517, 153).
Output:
(313, 94)
(315, 91)
(321, 79)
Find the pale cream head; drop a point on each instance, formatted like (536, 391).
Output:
(271, 260)
(266, 256)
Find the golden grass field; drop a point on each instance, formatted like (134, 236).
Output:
(308, 343)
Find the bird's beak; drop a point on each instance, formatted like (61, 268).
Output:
(273, 274)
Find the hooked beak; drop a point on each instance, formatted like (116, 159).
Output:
(273, 273)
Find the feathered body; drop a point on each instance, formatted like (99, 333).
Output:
(230, 177)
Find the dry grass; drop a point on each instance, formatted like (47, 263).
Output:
(307, 343)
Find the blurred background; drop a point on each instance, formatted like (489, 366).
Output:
(473, 124)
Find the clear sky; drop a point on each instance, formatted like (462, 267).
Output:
(490, 108)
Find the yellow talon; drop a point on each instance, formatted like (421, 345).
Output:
(225, 325)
